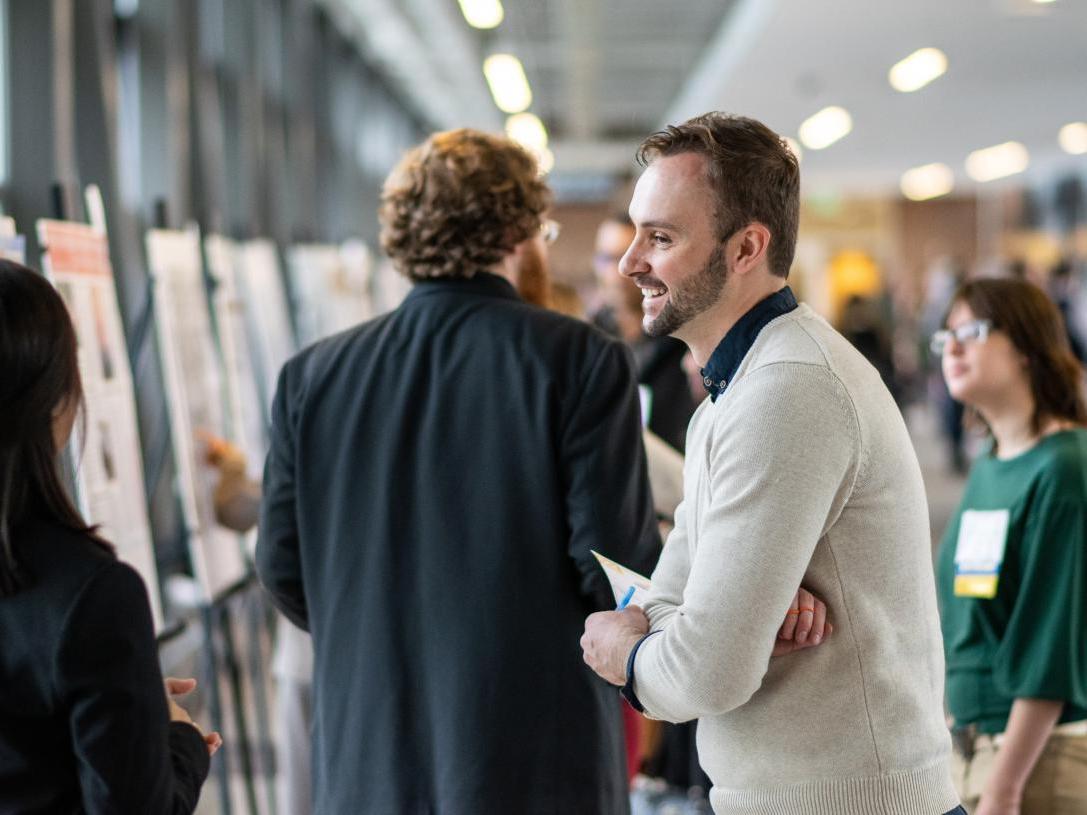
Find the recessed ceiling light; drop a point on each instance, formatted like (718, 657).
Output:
(825, 127)
(917, 70)
(794, 145)
(1073, 138)
(508, 83)
(482, 13)
(528, 130)
(545, 159)
(998, 161)
(927, 181)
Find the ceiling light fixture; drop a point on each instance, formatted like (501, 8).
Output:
(508, 83)
(927, 181)
(482, 13)
(794, 145)
(825, 128)
(528, 130)
(1073, 138)
(998, 161)
(917, 70)
(545, 159)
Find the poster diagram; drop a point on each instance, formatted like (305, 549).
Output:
(390, 287)
(331, 286)
(245, 400)
(109, 478)
(268, 319)
(12, 244)
(195, 396)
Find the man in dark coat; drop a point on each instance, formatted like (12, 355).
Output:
(436, 479)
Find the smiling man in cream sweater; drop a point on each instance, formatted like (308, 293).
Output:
(799, 470)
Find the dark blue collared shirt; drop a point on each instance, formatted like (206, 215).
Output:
(726, 357)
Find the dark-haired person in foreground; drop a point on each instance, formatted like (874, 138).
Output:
(86, 725)
(798, 469)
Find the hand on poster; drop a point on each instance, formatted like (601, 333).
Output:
(183, 687)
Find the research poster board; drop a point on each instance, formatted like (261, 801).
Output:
(194, 391)
(390, 287)
(109, 481)
(355, 290)
(268, 317)
(12, 244)
(331, 287)
(246, 414)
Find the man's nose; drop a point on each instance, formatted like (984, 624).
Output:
(630, 263)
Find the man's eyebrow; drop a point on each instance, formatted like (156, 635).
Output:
(659, 225)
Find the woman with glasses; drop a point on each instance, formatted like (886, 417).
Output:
(85, 723)
(1012, 567)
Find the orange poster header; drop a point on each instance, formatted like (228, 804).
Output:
(74, 248)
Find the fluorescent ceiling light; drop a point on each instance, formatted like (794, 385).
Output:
(1073, 138)
(996, 162)
(794, 145)
(546, 160)
(508, 83)
(927, 181)
(917, 70)
(825, 127)
(528, 130)
(482, 13)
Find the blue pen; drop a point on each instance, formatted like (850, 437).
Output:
(626, 599)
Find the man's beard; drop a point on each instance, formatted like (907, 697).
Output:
(695, 295)
(533, 278)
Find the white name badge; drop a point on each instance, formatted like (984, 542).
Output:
(979, 553)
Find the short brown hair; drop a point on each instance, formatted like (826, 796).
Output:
(1034, 325)
(752, 171)
(458, 203)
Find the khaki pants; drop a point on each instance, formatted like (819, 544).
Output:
(1058, 785)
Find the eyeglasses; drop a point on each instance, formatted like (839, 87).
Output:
(550, 230)
(973, 331)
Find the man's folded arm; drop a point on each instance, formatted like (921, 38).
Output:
(783, 463)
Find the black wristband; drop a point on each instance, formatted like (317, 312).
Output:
(627, 691)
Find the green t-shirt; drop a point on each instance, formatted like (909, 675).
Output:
(1030, 639)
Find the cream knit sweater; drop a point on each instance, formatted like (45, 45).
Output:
(802, 473)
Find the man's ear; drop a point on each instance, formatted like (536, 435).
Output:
(748, 248)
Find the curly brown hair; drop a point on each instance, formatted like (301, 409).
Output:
(458, 203)
(752, 171)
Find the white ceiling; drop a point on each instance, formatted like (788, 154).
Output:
(605, 72)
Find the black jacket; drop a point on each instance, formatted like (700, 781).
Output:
(436, 479)
(84, 726)
(659, 362)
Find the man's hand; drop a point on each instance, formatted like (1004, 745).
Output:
(181, 687)
(993, 806)
(608, 638)
(610, 635)
(805, 625)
